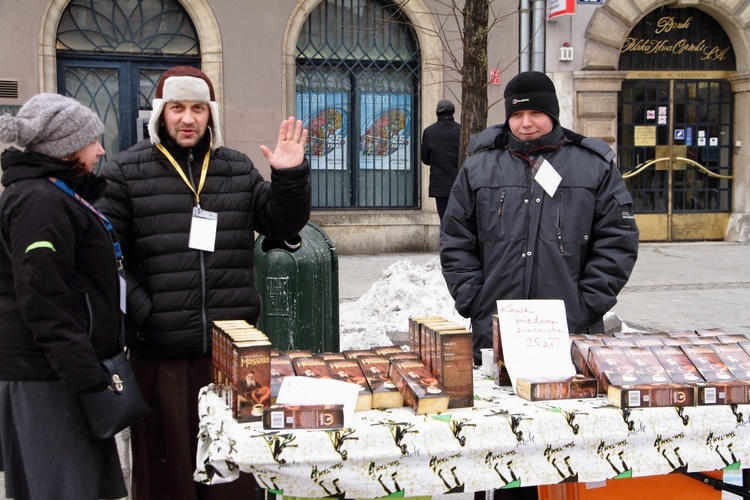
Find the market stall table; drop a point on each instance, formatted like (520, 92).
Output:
(503, 441)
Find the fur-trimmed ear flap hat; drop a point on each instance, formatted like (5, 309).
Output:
(531, 90)
(184, 83)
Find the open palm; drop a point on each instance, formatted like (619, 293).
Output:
(290, 148)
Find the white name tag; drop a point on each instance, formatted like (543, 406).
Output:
(203, 230)
(547, 177)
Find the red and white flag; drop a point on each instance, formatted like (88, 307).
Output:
(561, 8)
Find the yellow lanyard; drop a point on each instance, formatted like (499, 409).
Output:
(204, 171)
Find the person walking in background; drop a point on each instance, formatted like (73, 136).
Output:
(59, 304)
(537, 212)
(185, 209)
(440, 151)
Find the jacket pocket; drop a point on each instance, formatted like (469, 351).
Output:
(625, 219)
(492, 211)
(567, 218)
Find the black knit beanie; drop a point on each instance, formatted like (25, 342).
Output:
(445, 107)
(531, 90)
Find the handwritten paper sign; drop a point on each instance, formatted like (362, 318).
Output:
(534, 335)
(319, 391)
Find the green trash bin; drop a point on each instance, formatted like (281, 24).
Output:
(298, 282)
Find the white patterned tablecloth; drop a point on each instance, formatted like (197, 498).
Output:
(503, 441)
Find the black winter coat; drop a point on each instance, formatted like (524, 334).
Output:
(59, 289)
(503, 237)
(175, 292)
(440, 151)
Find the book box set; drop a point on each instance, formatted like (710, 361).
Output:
(436, 374)
(242, 368)
(633, 370)
(638, 369)
(686, 368)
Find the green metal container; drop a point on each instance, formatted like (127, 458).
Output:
(298, 282)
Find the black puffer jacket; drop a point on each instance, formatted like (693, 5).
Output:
(440, 151)
(504, 237)
(174, 292)
(59, 291)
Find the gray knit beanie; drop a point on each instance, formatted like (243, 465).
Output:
(51, 124)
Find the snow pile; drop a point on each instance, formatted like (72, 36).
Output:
(407, 290)
(404, 290)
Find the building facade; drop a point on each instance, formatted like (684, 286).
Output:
(665, 83)
(365, 75)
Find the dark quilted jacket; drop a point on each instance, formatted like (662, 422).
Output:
(174, 292)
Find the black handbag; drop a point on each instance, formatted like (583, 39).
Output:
(117, 407)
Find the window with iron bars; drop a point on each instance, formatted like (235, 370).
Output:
(110, 56)
(357, 92)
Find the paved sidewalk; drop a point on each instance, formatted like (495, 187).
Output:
(687, 285)
(674, 286)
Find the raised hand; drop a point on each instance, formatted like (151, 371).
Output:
(290, 148)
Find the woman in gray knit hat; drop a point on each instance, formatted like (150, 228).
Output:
(59, 303)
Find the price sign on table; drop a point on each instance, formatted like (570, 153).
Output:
(534, 335)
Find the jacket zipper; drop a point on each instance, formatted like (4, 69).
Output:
(559, 224)
(201, 259)
(500, 211)
(502, 201)
(91, 314)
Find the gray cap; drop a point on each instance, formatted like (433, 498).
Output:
(51, 124)
(445, 107)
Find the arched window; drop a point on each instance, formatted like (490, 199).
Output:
(357, 90)
(110, 56)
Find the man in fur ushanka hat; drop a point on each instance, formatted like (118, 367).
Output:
(184, 83)
(185, 209)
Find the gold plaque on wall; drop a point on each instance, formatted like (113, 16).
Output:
(662, 153)
(644, 135)
(678, 151)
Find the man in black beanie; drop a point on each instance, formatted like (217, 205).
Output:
(537, 212)
(532, 91)
(440, 151)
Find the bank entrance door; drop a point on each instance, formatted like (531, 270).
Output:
(675, 150)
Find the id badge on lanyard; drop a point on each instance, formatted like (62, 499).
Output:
(203, 230)
(204, 223)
